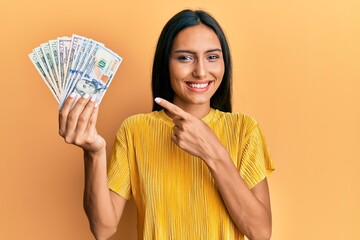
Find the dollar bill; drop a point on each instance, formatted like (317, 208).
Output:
(76, 41)
(55, 58)
(42, 73)
(77, 64)
(85, 55)
(90, 50)
(78, 74)
(67, 53)
(50, 63)
(63, 51)
(97, 75)
(40, 55)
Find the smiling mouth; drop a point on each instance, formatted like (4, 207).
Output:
(198, 85)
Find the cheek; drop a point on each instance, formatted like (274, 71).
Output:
(176, 75)
(179, 71)
(218, 71)
(221, 68)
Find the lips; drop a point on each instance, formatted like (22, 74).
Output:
(198, 86)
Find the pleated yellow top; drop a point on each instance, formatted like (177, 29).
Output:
(175, 194)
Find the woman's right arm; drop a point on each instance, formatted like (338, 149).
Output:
(77, 125)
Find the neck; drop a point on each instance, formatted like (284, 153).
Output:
(197, 110)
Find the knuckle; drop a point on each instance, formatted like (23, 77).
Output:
(61, 133)
(91, 121)
(62, 114)
(82, 119)
(89, 141)
(179, 136)
(68, 139)
(188, 118)
(180, 143)
(185, 126)
(78, 141)
(71, 117)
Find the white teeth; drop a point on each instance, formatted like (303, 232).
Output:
(198, 85)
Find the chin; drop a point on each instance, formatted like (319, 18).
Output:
(199, 101)
(192, 99)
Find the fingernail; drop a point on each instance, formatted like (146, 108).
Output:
(157, 100)
(86, 96)
(73, 94)
(93, 98)
(96, 104)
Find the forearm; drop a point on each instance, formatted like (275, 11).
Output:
(97, 200)
(250, 215)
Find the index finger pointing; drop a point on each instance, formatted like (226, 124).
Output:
(172, 108)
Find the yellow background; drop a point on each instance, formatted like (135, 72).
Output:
(296, 70)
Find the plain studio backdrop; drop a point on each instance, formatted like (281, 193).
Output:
(296, 71)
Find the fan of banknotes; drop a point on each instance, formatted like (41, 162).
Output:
(75, 64)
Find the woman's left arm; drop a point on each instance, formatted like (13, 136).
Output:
(248, 208)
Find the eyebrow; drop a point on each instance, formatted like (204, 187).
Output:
(192, 52)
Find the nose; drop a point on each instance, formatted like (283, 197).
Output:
(199, 70)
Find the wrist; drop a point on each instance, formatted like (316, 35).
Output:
(95, 154)
(219, 156)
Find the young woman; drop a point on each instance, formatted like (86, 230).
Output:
(195, 170)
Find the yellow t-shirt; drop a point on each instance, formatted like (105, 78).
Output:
(175, 194)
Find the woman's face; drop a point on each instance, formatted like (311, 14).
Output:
(196, 65)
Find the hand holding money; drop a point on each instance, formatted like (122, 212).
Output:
(75, 65)
(77, 123)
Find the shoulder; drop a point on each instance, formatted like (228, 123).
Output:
(140, 120)
(236, 119)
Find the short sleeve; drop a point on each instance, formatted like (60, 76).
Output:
(256, 163)
(118, 166)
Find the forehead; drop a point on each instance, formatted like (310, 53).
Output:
(199, 37)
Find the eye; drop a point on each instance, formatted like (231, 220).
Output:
(184, 58)
(213, 58)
